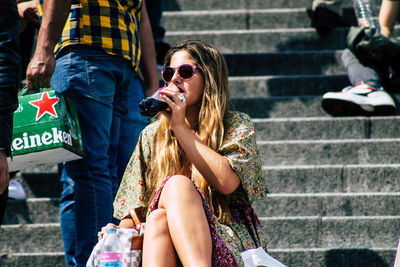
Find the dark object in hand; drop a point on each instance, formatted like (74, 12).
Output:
(149, 106)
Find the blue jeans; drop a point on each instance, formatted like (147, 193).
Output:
(131, 126)
(67, 217)
(101, 85)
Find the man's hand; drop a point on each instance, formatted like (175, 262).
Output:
(40, 70)
(42, 65)
(4, 175)
(28, 13)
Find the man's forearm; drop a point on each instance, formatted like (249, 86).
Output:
(148, 64)
(55, 14)
(42, 65)
(387, 16)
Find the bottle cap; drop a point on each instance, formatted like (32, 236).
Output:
(111, 230)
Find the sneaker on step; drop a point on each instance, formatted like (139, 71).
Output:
(16, 190)
(361, 100)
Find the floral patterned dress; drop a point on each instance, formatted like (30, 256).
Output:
(240, 149)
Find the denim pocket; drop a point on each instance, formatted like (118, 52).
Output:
(102, 77)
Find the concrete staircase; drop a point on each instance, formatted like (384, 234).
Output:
(334, 188)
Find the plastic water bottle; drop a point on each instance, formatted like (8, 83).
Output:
(366, 13)
(111, 250)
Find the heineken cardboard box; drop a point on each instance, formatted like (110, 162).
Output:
(46, 131)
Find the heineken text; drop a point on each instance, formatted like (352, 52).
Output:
(38, 140)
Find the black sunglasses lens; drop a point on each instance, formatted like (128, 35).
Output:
(168, 73)
(185, 71)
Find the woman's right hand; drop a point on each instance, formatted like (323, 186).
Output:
(177, 113)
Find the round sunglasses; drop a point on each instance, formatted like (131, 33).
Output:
(185, 71)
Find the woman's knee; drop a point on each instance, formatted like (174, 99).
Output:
(157, 221)
(178, 188)
(156, 216)
(179, 184)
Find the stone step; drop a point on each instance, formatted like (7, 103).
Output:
(333, 178)
(184, 5)
(286, 85)
(318, 257)
(326, 62)
(24, 238)
(280, 107)
(331, 232)
(267, 40)
(40, 211)
(329, 152)
(241, 19)
(286, 107)
(280, 232)
(343, 257)
(32, 211)
(237, 19)
(327, 128)
(43, 259)
(264, 40)
(329, 204)
(280, 179)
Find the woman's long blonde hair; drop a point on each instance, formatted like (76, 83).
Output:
(168, 158)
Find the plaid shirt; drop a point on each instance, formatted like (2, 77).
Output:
(112, 25)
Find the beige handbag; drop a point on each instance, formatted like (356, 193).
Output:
(131, 239)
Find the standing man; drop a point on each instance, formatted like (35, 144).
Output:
(9, 80)
(95, 63)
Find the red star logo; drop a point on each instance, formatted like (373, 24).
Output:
(45, 105)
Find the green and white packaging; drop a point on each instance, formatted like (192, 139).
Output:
(46, 131)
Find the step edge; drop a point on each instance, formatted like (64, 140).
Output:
(330, 141)
(330, 218)
(333, 166)
(334, 194)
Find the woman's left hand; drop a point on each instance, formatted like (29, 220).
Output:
(177, 113)
(104, 230)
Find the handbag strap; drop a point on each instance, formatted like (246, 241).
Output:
(137, 242)
(138, 216)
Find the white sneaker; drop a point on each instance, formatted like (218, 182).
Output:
(361, 100)
(16, 190)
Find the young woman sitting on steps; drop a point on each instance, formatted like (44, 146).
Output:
(196, 169)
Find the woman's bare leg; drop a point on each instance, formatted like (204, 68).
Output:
(187, 222)
(158, 249)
